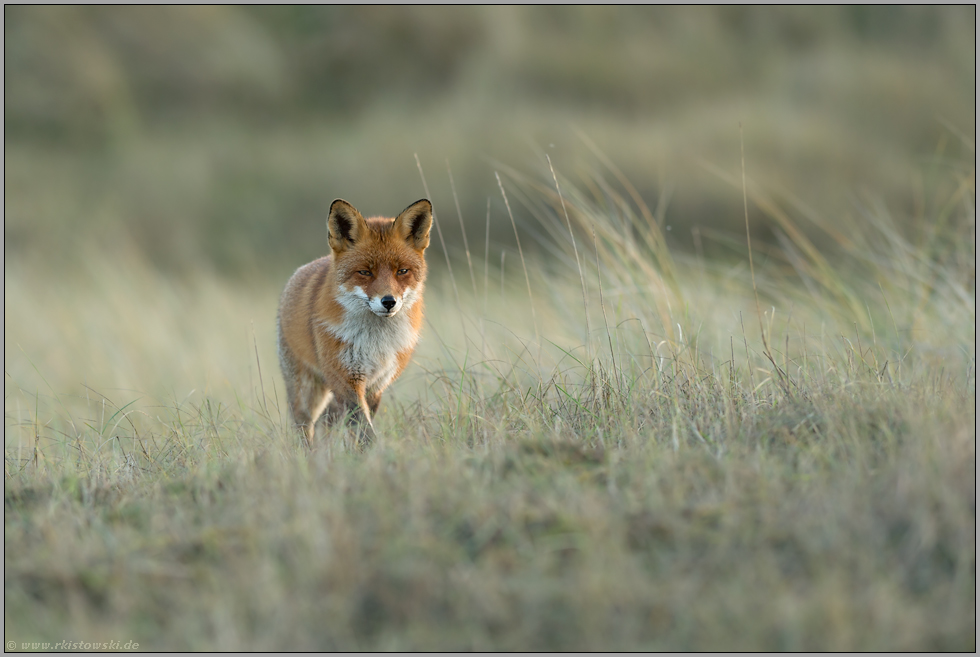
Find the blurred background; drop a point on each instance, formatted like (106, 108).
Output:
(216, 137)
(622, 453)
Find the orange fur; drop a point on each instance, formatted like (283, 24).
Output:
(348, 322)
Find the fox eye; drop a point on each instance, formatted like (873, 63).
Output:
(402, 272)
(364, 272)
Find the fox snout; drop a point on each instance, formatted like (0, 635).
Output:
(385, 306)
(390, 303)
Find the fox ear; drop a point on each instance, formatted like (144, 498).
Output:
(414, 224)
(345, 225)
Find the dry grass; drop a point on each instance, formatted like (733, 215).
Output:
(667, 480)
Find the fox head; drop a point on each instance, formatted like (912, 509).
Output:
(379, 263)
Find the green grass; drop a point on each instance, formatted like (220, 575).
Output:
(679, 463)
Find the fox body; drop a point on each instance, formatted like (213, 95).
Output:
(348, 322)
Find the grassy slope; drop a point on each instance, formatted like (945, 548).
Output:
(679, 482)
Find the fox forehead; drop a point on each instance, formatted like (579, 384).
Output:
(379, 249)
(365, 257)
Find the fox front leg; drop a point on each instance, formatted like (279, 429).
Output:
(357, 410)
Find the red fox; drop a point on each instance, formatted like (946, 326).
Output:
(348, 322)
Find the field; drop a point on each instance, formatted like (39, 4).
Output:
(747, 423)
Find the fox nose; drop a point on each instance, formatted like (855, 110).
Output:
(388, 302)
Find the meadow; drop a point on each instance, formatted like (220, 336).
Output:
(733, 409)
(654, 458)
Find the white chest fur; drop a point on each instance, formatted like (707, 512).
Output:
(372, 343)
